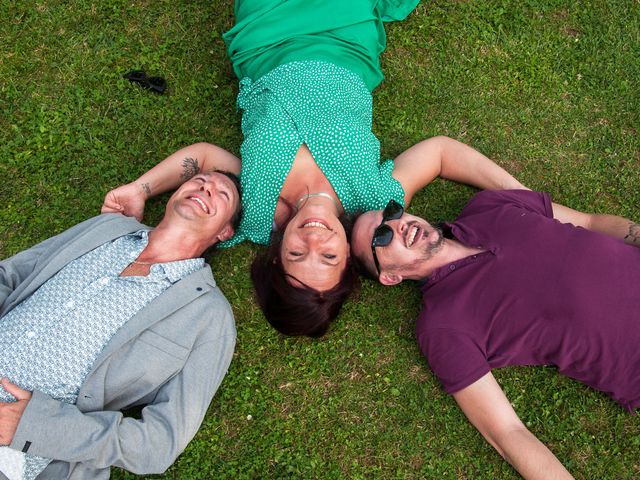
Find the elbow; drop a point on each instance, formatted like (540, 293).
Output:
(156, 463)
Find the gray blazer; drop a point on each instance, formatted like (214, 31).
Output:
(171, 357)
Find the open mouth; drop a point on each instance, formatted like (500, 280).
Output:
(200, 203)
(412, 233)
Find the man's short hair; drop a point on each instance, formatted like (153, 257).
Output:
(236, 218)
(237, 215)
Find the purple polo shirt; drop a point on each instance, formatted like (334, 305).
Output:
(544, 293)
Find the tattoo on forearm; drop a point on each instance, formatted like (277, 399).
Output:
(146, 188)
(190, 168)
(634, 234)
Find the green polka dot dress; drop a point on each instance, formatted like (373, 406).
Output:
(320, 100)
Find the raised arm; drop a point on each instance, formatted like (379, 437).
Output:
(450, 159)
(617, 227)
(488, 409)
(178, 167)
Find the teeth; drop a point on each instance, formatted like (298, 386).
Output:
(201, 203)
(314, 224)
(412, 236)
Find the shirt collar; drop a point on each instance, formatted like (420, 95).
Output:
(179, 269)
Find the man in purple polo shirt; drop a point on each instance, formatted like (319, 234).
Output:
(516, 280)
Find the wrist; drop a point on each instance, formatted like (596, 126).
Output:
(144, 187)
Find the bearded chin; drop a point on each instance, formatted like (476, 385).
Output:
(435, 246)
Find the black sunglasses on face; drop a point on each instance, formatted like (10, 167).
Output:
(383, 234)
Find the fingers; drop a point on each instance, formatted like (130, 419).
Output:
(127, 199)
(111, 204)
(108, 209)
(11, 412)
(15, 390)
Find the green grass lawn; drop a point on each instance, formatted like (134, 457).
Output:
(549, 89)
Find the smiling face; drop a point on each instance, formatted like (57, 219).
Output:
(314, 247)
(205, 204)
(414, 243)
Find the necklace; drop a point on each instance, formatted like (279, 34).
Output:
(142, 263)
(307, 196)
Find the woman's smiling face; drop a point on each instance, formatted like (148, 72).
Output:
(314, 249)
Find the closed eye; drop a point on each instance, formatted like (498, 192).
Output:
(329, 256)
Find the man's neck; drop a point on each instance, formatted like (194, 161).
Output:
(170, 245)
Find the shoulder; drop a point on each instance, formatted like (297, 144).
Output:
(536, 202)
(110, 224)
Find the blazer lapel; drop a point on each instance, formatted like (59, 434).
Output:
(100, 230)
(91, 238)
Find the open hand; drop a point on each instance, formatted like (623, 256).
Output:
(127, 199)
(11, 412)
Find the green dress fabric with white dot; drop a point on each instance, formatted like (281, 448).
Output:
(316, 92)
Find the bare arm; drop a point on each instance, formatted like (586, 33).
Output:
(178, 167)
(450, 159)
(612, 225)
(488, 409)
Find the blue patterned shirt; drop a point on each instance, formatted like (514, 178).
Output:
(50, 341)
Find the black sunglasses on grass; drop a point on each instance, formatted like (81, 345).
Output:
(383, 234)
(155, 84)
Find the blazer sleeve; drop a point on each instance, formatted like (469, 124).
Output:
(107, 438)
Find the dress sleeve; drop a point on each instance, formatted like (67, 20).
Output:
(455, 358)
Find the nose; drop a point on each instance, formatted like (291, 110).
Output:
(204, 188)
(209, 187)
(316, 236)
(398, 226)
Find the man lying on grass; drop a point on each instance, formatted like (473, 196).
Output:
(107, 316)
(516, 280)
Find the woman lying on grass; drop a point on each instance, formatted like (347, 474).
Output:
(307, 70)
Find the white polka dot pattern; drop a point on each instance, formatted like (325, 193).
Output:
(329, 109)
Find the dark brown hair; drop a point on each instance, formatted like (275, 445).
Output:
(295, 310)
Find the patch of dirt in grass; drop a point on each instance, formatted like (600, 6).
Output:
(570, 32)
(418, 373)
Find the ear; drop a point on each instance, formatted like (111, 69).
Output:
(389, 279)
(226, 233)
